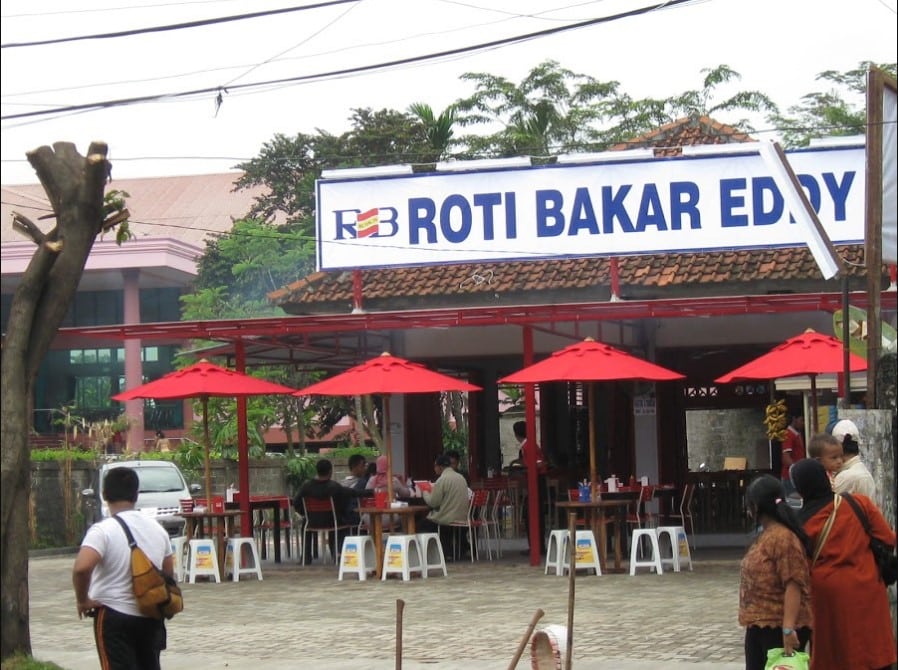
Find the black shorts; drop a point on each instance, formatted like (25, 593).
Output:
(126, 642)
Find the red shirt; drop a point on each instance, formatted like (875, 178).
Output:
(793, 443)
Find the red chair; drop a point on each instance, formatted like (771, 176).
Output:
(478, 511)
(320, 516)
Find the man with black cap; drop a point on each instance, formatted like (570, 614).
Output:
(854, 477)
(448, 502)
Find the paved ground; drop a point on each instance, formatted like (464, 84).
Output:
(302, 617)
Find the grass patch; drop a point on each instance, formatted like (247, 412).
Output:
(21, 662)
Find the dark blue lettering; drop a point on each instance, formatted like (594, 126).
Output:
(343, 226)
(650, 211)
(730, 200)
(683, 203)
(421, 212)
(583, 216)
(613, 208)
(387, 216)
(455, 201)
(760, 186)
(839, 192)
(487, 202)
(511, 216)
(549, 218)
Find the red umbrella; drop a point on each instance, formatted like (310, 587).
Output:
(590, 361)
(810, 353)
(384, 375)
(203, 380)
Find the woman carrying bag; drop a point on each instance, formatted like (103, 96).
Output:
(852, 623)
(774, 593)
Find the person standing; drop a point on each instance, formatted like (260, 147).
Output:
(854, 477)
(520, 433)
(792, 450)
(775, 585)
(101, 577)
(162, 443)
(850, 602)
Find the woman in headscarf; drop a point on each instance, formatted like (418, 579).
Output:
(774, 592)
(852, 623)
(378, 481)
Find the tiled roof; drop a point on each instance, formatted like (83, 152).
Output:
(573, 280)
(188, 209)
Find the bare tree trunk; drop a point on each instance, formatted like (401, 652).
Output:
(75, 186)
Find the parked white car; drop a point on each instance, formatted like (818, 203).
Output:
(162, 486)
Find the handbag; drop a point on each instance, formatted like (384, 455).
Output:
(158, 594)
(883, 554)
(777, 660)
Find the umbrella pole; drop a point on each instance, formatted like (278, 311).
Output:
(388, 446)
(814, 419)
(593, 483)
(206, 452)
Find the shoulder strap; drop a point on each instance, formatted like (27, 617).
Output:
(826, 528)
(131, 542)
(861, 514)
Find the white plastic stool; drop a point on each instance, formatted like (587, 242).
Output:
(234, 558)
(653, 561)
(402, 556)
(203, 559)
(431, 548)
(586, 556)
(679, 546)
(179, 556)
(357, 556)
(556, 551)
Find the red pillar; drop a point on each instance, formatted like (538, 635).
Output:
(533, 510)
(246, 520)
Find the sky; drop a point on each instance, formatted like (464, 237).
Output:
(777, 46)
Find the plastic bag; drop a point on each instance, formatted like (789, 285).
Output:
(777, 660)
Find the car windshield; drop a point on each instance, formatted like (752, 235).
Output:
(159, 480)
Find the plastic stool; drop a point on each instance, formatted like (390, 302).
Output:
(431, 548)
(679, 546)
(357, 556)
(179, 556)
(203, 559)
(654, 561)
(556, 551)
(586, 556)
(402, 556)
(234, 558)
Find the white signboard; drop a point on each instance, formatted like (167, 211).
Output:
(610, 209)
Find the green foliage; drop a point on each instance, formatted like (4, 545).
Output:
(23, 662)
(48, 455)
(343, 453)
(300, 469)
(839, 111)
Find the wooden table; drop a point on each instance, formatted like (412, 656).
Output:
(406, 516)
(596, 513)
(211, 524)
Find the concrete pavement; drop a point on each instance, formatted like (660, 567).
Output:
(302, 617)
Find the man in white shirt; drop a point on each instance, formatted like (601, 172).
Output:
(101, 577)
(854, 477)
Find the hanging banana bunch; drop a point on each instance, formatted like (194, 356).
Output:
(775, 420)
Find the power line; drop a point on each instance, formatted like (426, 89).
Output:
(176, 26)
(353, 70)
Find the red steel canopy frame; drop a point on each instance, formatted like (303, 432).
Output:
(241, 331)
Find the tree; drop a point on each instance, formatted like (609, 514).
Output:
(829, 113)
(75, 188)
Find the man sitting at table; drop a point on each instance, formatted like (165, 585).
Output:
(356, 479)
(448, 502)
(323, 487)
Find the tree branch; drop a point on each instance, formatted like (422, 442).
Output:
(24, 225)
